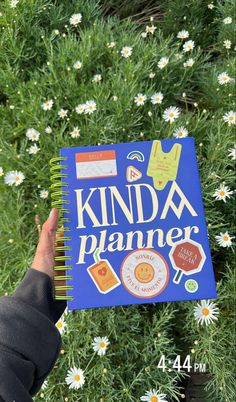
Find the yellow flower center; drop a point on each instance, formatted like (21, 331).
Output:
(59, 324)
(171, 114)
(231, 118)
(77, 377)
(154, 399)
(17, 178)
(222, 192)
(225, 238)
(205, 311)
(180, 133)
(102, 344)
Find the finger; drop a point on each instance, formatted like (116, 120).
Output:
(48, 232)
(59, 282)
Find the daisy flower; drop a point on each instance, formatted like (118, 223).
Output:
(180, 132)
(152, 75)
(1, 171)
(171, 114)
(80, 108)
(61, 325)
(90, 107)
(163, 62)
(45, 384)
(222, 192)
(97, 78)
(75, 19)
(157, 98)
(32, 134)
(75, 133)
(224, 239)
(189, 63)
(183, 34)
(230, 117)
(153, 396)
(210, 6)
(75, 378)
(47, 105)
(33, 149)
(227, 43)
(189, 45)
(126, 51)
(77, 65)
(14, 177)
(100, 345)
(232, 152)
(205, 312)
(62, 113)
(140, 99)
(48, 130)
(144, 34)
(43, 194)
(13, 3)
(224, 78)
(227, 20)
(151, 29)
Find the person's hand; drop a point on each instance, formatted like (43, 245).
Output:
(44, 257)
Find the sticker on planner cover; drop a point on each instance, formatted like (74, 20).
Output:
(91, 165)
(187, 258)
(136, 155)
(102, 274)
(163, 166)
(132, 174)
(144, 273)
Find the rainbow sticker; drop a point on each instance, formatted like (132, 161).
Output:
(136, 155)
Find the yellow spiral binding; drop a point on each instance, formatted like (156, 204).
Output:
(57, 192)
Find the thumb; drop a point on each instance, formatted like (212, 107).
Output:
(44, 256)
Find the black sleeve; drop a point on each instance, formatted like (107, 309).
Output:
(29, 340)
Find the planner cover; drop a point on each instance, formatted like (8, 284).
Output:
(134, 224)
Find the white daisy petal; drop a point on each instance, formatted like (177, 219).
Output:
(140, 99)
(75, 19)
(205, 312)
(126, 51)
(14, 177)
(32, 134)
(189, 45)
(224, 239)
(230, 117)
(153, 396)
(171, 114)
(75, 378)
(100, 345)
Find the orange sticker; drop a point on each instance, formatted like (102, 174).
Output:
(103, 276)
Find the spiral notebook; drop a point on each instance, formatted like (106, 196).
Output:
(133, 222)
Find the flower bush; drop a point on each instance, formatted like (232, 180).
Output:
(72, 75)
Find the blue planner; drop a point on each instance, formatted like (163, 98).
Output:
(133, 222)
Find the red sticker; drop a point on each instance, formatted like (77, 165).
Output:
(187, 257)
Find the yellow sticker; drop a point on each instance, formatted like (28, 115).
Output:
(163, 166)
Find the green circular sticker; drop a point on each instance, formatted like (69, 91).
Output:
(191, 285)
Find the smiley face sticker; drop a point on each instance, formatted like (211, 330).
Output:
(144, 273)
